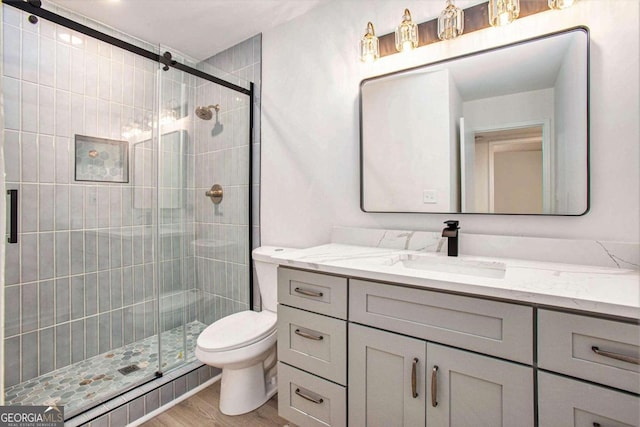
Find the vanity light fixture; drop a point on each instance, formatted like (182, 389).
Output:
(561, 4)
(451, 22)
(369, 45)
(406, 33)
(503, 12)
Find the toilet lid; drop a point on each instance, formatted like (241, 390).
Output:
(237, 330)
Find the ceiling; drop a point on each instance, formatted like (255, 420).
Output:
(197, 28)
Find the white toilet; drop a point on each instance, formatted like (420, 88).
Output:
(243, 345)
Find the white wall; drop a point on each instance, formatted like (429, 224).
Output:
(503, 111)
(310, 159)
(395, 156)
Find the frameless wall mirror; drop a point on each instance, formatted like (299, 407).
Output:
(502, 131)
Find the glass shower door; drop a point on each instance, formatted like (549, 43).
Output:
(203, 246)
(80, 312)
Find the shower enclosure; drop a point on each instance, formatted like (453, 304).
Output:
(120, 260)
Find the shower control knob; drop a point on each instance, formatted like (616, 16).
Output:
(215, 194)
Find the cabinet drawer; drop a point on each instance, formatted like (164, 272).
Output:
(321, 293)
(566, 402)
(566, 344)
(490, 327)
(309, 401)
(312, 342)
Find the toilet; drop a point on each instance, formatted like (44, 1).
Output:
(243, 344)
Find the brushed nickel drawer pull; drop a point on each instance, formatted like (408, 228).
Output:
(308, 335)
(617, 356)
(434, 386)
(414, 378)
(309, 398)
(308, 292)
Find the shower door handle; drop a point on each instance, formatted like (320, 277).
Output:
(13, 216)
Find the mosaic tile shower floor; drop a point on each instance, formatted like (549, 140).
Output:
(93, 380)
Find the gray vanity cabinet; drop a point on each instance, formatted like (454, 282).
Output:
(567, 402)
(312, 348)
(386, 378)
(401, 381)
(468, 389)
(397, 355)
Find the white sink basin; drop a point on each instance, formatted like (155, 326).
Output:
(492, 269)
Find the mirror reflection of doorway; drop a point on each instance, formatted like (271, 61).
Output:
(509, 171)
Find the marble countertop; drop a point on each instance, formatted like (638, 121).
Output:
(604, 290)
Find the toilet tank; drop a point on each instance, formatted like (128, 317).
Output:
(267, 274)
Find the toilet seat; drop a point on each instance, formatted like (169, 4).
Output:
(237, 330)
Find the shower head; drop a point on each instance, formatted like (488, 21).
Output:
(205, 113)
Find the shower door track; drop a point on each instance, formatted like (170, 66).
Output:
(75, 26)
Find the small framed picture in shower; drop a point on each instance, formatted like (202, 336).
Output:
(101, 159)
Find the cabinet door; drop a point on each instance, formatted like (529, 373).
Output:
(566, 402)
(384, 371)
(467, 389)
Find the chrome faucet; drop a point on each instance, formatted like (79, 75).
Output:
(451, 233)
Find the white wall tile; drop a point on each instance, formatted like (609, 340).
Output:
(104, 50)
(62, 160)
(104, 78)
(12, 155)
(29, 107)
(149, 90)
(63, 113)
(103, 119)
(138, 88)
(116, 82)
(63, 66)
(12, 104)
(91, 116)
(47, 70)
(91, 75)
(115, 120)
(77, 71)
(11, 50)
(11, 15)
(91, 46)
(29, 157)
(46, 153)
(127, 85)
(47, 29)
(30, 57)
(46, 110)
(77, 114)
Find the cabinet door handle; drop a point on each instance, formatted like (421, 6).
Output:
(414, 377)
(13, 216)
(309, 398)
(308, 292)
(434, 386)
(308, 335)
(616, 356)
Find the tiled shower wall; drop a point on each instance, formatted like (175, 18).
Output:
(222, 157)
(80, 280)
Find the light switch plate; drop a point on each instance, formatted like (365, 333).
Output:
(429, 196)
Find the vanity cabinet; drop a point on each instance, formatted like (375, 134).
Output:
(568, 402)
(400, 381)
(312, 348)
(396, 355)
(386, 378)
(603, 351)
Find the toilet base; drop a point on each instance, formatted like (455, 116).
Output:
(243, 390)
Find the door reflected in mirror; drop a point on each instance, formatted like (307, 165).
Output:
(500, 131)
